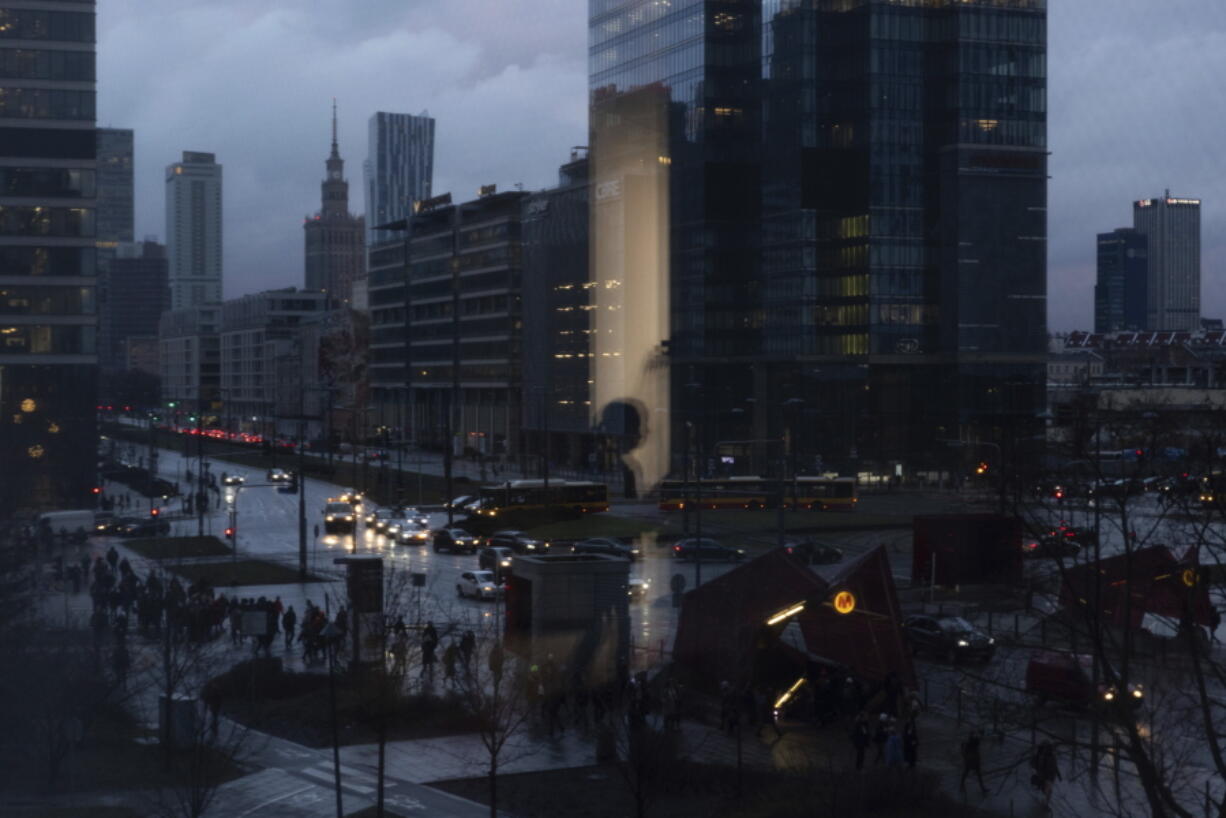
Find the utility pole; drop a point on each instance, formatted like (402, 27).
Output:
(301, 480)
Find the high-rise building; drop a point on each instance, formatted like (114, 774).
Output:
(48, 183)
(1123, 269)
(857, 262)
(335, 238)
(193, 230)
(904, 229)
(676, 173)
(399, 169)
(116, 225)
(136, 296)
(1172, 227)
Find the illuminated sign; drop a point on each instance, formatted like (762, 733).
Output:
(1145, 203)
(1183, 201)
(844, 602)
(608, 190)
(782, 615)
(487, 190)
(1189, 577)
(426, 205)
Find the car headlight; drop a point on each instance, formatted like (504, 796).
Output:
(329, 518)
(505, 563)
(530, 547)
(488, 588)
(962, 643)
(991, 640)
(1109, 695)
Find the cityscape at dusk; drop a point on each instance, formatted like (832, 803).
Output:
(722, 408)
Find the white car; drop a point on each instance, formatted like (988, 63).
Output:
(410, 532)
(478, 585)
(638, 587)
(233, 480)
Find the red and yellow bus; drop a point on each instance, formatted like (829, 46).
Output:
(559, 496)
(816, 493)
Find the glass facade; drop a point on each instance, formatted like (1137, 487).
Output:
(1120, 293)
(904, 220)
(48, 364)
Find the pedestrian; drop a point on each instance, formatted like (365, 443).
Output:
(288, 622)
(429, 642)
(910, 743)
(1046, 771)
(971, 761)
(893, 746)
(1215, 620)
(880, 733)
(112, 558)
(317, 531)
(468, 644)
(860, 738)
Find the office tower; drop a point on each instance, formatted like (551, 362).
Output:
(1172, 227)
(335, 239)
(193, 230)
(399, 169)
(48, 182)
(676, 104)
(137, 294)
(115, 226)
(1123, 269)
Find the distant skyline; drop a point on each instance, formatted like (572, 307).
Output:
(1136, 106)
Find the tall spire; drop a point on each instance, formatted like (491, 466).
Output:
(335, 150)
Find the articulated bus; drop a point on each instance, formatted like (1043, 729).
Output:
(818, 493)
(558, 496)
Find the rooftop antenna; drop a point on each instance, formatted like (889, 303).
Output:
(335, 150)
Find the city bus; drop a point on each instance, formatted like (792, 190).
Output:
(558, 496)
(816, 493)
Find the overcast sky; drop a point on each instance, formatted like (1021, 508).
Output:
(1137, 104)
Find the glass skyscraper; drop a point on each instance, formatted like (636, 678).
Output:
(1171, 226)
(1120, 292)
(399, 169)
(48, 188)
(857, 219)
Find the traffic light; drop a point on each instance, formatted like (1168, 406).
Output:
(154, 512)
(982, 468)
(230, 533)
(96, 490)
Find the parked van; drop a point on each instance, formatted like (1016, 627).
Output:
(77, 524)
(1068, 678)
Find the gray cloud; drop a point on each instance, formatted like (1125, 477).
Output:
(1136, 102)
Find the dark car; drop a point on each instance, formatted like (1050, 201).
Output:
(607, 546)
(1051, 547)
(814, 553)
(496, 558)
(455, 539)
(949, 636)
(115, 525)
(144, 528)
(1067, 678)
(518, 541)
(706, 549)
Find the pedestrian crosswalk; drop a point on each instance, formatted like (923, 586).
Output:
(352, 779)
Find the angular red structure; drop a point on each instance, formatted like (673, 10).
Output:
(723, 632)
(1150, 580)
(966, 549)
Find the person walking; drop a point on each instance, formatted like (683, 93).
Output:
(910, 743)
(450, 656)
(880, 734)
(971, 760)
(288, 622)
(893, 746)
(860, 738)
(1046, 771)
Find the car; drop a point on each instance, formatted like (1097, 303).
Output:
(115, 525)
(518, 541)
(459, 503)
(949, 636)
(339, 517)
(137, 527)
(416, 516)
(278, 476)
(354, 498)
(707, 550)
(455, 539)
(637, 588)
(812, 552)
(608, 546)
(232, 480)
(1067, 678)
(1050, 547)
(496, 558)
(380, 518)
(478, 585)
(409, 532)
